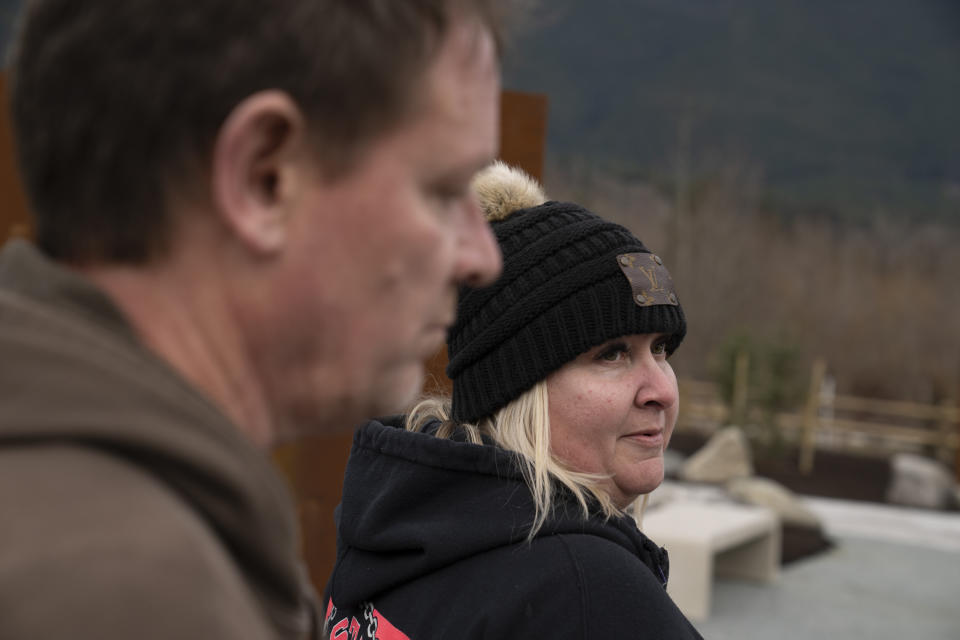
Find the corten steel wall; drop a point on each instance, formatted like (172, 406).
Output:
(315, 466)
(523, 133)
(14, 216)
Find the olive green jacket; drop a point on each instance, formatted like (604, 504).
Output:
(130, 507)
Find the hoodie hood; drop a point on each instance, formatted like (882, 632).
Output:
(414, 503)
(74, 372)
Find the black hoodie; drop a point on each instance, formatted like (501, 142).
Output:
(432, 543)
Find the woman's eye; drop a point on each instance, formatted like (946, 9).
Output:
(613, 354)
(659, 348)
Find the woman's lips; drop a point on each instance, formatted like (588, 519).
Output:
(647, 438)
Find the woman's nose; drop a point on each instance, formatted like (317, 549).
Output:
(657, 385)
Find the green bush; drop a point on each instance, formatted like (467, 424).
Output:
(775, 383)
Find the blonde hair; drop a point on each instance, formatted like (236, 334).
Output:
(523, 426)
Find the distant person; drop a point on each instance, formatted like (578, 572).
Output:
(252, 219)
(503, 513)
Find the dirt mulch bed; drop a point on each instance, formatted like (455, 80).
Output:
(834, 475)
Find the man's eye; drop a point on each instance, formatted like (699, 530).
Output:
(449, 196)
(659, 348)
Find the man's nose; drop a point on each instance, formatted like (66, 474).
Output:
(479, 261)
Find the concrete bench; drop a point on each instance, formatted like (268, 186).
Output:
(707, 539)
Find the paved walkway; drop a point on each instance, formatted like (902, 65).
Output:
(862, 589)
(894, 574)
(912, 527)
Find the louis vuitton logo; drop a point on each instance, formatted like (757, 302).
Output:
(649, 279)
(651, 274)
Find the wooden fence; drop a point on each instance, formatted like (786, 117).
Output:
(829, 421)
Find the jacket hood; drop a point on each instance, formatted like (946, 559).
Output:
(396, 522)
(67, 354)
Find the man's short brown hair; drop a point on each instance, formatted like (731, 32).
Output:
(114, 100)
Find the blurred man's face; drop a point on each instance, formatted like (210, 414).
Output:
(371, 281)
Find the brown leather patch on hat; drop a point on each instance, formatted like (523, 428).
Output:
(649, 279)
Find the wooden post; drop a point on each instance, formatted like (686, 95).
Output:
(956, 462)
(956, 466)
(811, 417)
(741, 383)
(945, 427)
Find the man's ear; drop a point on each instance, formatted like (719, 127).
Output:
(252, 169)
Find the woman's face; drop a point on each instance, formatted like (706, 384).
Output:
(612, 412)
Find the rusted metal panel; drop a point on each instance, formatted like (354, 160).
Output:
(523, 137)
(315, 466)
(14, 212)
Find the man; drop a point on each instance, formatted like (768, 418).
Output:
(252, 219)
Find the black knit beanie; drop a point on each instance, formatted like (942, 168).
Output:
(571, 281)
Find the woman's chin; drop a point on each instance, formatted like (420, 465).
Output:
(640, 481)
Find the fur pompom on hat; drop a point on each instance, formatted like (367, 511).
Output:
(501, 190)
(571, 281)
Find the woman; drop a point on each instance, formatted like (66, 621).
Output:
(502, 514)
